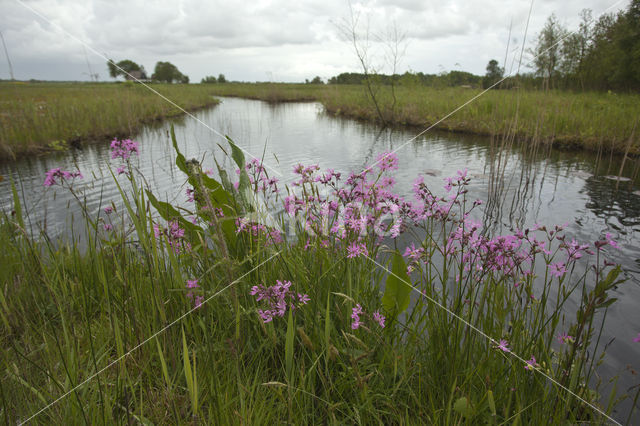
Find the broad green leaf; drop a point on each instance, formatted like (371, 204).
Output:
(236, 153)
(168, 212)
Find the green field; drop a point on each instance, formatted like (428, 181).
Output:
(40, 117)
(593, 121)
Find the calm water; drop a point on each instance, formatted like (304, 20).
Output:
(522, 188)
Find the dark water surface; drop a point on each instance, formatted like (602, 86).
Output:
(522, 188)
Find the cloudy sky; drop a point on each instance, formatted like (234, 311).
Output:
(267, 40)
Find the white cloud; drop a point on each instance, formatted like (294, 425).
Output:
(290, 41)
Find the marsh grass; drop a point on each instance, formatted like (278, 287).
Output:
(121, 307)
(590, 120)
(37, 117)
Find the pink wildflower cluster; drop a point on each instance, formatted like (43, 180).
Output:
(347, 210)
(356, 250)
(53, 175)
(387, 161)
(460, 179)
(271, 236)
(174, 234)
(259, 178)
(278, 297)
(196, 299)
(415, 255)
(357, 322)
(123, 149)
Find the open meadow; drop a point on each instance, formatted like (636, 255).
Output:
(39, 117)
(591, 120)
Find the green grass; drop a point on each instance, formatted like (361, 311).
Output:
(40, 117)
(68, 313)
(591, 120)
(37, 117)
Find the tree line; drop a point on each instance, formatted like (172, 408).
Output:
(601, 54)
(164, 71)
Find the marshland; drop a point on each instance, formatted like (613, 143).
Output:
(389, 251)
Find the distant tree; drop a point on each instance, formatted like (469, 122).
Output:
(222, 79)
(125, 68)
(113, 70)
(547, 54)
(493, 75)
(316, 80)
(209, 79)
(168, 73)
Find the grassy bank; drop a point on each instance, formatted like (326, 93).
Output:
(210, 314)
(38, 117)
(591, 121)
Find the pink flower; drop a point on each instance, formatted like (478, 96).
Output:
(611, 242)
(531, 364)
(557, 269)
(303, 298)
(198, 301)
(123, 149)
(503, 345)
(379, 318)
(107, 227)
(565, 338)
(356, 250)
(637, 339)
(355, 315)
(57, 173)
(278, 297)
(108, 210)
(387, 161)
(192, 283)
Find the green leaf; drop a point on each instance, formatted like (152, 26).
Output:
(608, 282)
(163, 364)
(168, 212)
(492, 403)
(288, 347)
(181, 162)
(236, 153)
(397, 288)
(244, 182)
(17, 207)
(463, 406)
